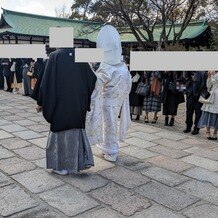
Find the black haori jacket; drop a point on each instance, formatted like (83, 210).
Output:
(66, 91)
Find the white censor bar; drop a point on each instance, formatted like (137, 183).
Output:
(89, 55)
(22, 51)
(61, 37)
(173, 61)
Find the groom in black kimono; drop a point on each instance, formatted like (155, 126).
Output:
(66, 94)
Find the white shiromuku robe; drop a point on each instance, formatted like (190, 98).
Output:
(109, 100)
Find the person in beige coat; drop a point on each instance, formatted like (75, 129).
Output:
(209, 118)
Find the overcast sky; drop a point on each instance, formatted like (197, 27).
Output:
(43, 7)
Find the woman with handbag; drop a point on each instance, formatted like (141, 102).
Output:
(172, 96)
(152, 102)
(209, 117)
(135, 100)
(27, 73)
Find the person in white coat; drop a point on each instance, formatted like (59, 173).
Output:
(110, 98)
(209, 118)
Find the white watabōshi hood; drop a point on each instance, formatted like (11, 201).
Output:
(109, 40)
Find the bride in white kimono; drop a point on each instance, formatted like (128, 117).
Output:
(110, 98)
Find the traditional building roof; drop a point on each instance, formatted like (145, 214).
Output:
(193, 30)
(16, 27)
(23, 25)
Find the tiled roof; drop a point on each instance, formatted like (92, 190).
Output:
(37, 25)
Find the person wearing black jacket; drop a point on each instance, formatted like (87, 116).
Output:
(172, 96)
(6, 64)
(38, 67)
(1, 77)
(39, 73)
(135, 100)
(66, 90)
(195, 83)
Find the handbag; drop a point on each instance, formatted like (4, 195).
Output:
(143, 89)
(136, 78)
(172, 87)
(205, 94)
(208, 100)
(156, 87)
(29, 73)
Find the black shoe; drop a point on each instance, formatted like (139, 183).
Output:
(131, 116)
(154, 120)
(171, 122)
(146, 120)
(138, 117)
(212, 138)
(195, 132)
(187, 130)
(166, 121)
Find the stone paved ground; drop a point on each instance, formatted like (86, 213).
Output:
(179, 121)
(159, 173)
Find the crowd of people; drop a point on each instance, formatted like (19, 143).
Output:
(84, 105)
(167, 91)
(16, 72)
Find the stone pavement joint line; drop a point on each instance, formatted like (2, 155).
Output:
(160, 172)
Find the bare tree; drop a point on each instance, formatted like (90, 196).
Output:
(141, 17)
(208, 10)
(62, 12)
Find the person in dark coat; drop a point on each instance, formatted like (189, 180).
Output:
(1, 77)
(37, 95)
(6, 64)
(172, 96)
(135, 100)
(27, 63)
(66, 91)
(195, 83)
(38, 67)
